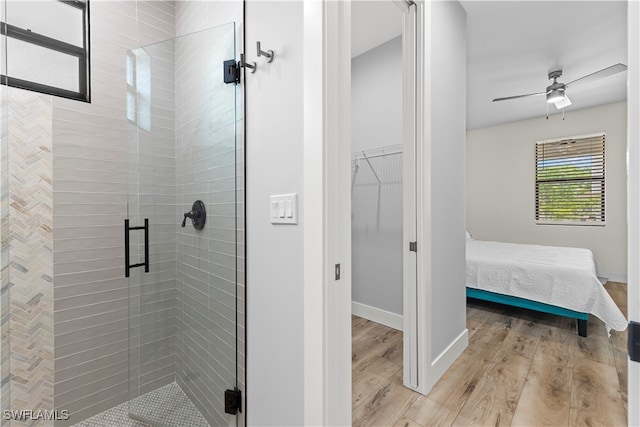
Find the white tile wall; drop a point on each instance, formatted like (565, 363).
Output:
(204, 167)
(91, 175)
(206, 357)
(92, 181)
(215, 257)
(153, 196)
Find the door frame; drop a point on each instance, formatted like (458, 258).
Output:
(327, 208)
(327, 212)
(633, 199)
(412, 307)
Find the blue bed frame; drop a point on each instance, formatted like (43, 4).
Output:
(531, 305)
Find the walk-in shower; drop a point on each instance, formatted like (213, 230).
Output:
(185, 162)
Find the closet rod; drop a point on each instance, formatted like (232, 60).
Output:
(361, 155)
(372, 169)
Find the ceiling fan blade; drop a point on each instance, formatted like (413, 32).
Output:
(519, 96)
(605, 72)
(564, 102)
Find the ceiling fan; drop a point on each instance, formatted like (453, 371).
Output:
(556, 92)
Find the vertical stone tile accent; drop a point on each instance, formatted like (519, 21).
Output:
(4, 255)
(31, 242)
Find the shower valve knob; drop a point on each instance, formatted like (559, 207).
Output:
(191, 215)
(197, 215)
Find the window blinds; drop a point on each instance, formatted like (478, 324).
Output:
(570, 181)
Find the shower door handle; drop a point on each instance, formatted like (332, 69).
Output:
(127, 262)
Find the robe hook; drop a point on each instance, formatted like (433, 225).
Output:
(269, 54)
(250, 65)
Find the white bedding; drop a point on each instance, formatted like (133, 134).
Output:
(564, 277)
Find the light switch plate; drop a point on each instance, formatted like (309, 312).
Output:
(284, 209)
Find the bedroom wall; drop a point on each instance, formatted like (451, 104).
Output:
(376, 120)
(500, 185)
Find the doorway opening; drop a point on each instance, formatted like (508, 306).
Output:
(383, 213)
(582, 362)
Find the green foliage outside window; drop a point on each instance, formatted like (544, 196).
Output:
(569, 193)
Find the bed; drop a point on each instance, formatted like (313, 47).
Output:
(549, 279)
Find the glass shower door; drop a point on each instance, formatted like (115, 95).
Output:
(183, 312)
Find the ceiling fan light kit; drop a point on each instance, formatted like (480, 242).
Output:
(564, 102)
(555, 95)
(556, 92)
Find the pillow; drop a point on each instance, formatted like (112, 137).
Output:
(468, 235)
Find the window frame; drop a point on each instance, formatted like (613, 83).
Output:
(82, 53)
(571, 223)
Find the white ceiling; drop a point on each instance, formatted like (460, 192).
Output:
(512, 46)
(373, 23)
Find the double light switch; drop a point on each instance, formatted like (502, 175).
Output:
(284, 209)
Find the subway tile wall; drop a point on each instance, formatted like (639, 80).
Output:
(152, 195)
(218, 254)
(91, 184)
(90, 191)
(206, 142)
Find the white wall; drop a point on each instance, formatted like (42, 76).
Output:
(500, 184)
(376, 120)
(275, 269)
(376, 96)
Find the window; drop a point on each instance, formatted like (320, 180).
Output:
(138, 71)
(47, 47)
(570, 181)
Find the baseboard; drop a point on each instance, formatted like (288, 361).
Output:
(377, 315)
(613, 277)
(445, 359)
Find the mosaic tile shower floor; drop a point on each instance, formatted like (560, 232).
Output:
(167, 406)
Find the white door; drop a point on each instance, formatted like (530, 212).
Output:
(409, 208)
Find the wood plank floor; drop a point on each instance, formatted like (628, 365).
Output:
(521, 368)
